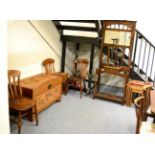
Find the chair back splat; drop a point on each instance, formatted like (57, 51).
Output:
(49, 66)
(50, 69)
(14, 84)
(80, 74)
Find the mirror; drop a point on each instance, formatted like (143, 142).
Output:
(116, 56)
(111, 84)
(117, 38)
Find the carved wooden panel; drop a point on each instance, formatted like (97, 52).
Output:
(45, 88)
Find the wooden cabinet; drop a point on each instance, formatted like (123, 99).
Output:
(45, 89)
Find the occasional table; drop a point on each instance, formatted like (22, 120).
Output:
(135, 86)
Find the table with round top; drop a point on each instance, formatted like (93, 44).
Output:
(135, 86)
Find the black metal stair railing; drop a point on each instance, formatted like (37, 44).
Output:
(144, 58)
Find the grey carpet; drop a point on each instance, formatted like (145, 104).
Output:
(82, 116)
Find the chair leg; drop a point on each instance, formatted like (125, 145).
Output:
(19, 122)
(66, 87)
(81, 90)
(36, 115)
(145, 118)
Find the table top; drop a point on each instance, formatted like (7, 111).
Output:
(138, 86)
(36, 80)
(152, 98)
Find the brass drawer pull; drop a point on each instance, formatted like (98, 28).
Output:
(49, 86)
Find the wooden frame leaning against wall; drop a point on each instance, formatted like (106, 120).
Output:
(115, 59)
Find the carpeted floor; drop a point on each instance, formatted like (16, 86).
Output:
(82, 116)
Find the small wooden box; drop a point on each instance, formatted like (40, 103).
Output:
(45, 89)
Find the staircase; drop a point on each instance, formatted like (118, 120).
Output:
(81, 31)
(143, 61)
(143, 58)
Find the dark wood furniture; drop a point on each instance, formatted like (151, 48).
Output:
(50, 69)
(19, 104)
(141, 126)
(46, 89)
(115, 59)
(80, 74)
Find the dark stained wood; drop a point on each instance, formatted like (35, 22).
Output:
(91, 65)
(79, 21)
(57, 22)
(77, 50)
(63, 56)
(97, 27)
(76, 39)
(77, 28)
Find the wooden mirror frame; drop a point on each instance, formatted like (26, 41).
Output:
(119, 70)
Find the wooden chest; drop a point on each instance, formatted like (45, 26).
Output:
(45, 89)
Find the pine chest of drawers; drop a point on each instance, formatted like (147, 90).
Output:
(45, 89)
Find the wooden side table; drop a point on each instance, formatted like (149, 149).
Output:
(64, 77)
(135, 86)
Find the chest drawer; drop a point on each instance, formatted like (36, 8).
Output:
(46, 87)
(37, 85)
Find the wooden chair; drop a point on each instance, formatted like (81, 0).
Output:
(19, 105)
(50, 69)
(49, 65)
(80, 74)
(147, 105)
(141, 126)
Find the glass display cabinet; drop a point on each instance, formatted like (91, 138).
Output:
(115, 59)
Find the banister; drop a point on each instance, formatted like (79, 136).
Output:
(141, 34)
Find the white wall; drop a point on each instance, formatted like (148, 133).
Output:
(4, 119)
(29, 43)
(147, 28)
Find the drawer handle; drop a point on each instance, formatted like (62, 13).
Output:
(49, 86)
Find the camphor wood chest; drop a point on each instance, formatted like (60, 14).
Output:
(45, 89)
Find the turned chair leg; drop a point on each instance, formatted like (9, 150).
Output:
(19, 122)
(36, 115)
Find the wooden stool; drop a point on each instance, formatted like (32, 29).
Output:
(64, 76)
(135, 86)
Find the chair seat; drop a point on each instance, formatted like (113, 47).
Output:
(21, 104)
(147, 128)
(73, 78)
